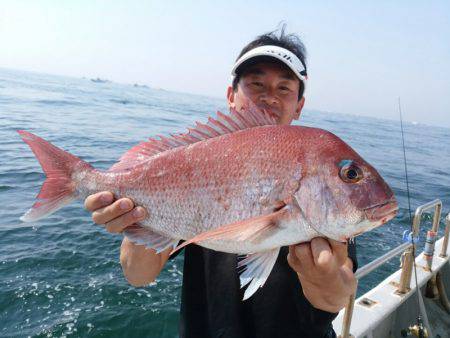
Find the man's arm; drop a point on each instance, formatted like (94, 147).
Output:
(325, 273)
(140, 265)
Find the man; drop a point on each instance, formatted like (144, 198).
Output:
(309, 283)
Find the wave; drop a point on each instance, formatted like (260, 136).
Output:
(60, 103)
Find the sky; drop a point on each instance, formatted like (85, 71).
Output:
(362, 55)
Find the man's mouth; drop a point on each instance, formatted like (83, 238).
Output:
(270, 110)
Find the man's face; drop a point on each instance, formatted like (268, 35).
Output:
(271, 86)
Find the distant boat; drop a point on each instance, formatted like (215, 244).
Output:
(98, 80)
(137, 85)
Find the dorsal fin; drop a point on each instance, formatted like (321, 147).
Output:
(249, 117)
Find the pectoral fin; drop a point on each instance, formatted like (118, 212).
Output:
(246, 230)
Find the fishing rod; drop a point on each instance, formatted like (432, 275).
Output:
(419, 328)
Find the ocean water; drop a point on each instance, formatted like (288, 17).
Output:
(61, 276)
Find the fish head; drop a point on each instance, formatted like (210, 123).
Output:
(340, 194)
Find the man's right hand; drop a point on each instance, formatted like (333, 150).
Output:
(115, 215)
(140, 265)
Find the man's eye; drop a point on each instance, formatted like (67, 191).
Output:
(257, 84)
(286, 89)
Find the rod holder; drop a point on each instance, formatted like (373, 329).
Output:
(405, 278)
(429, 248)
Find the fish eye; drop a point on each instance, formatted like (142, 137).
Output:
(350, 172)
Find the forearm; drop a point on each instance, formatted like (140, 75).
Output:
(140, 265)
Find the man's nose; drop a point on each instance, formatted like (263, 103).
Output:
(269, 99)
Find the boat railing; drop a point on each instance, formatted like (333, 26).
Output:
(407, 251)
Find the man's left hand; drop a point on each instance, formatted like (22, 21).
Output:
(325, 272)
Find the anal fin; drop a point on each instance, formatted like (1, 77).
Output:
(149, 238)
(257, 269)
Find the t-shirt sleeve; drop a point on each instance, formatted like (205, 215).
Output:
(321, 323)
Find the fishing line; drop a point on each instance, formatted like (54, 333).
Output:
(419, 319)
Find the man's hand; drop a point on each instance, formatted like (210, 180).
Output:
(325, 272)
(115, 215)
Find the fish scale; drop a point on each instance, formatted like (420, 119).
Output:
(242, 180)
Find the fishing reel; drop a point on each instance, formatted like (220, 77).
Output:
(415, 331)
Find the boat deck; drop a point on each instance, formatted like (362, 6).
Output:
(386, 312)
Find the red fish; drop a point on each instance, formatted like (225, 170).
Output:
(239, 184)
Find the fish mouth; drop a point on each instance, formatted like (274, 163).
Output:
(376, 215)
(383, 212)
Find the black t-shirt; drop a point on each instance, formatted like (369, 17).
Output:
(212, 305)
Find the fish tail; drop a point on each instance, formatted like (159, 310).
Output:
(59, 188)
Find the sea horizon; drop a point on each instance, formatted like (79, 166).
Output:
(149, 86)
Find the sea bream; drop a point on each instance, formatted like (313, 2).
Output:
(239, 184)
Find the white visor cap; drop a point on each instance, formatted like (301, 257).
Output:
(282, 54)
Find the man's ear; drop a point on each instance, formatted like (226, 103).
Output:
(299, 108)
(230, 97)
